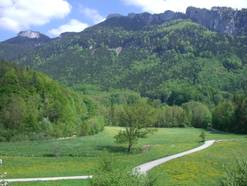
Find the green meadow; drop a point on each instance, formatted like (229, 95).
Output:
(204, 168)
(80, 156)
(55, 183)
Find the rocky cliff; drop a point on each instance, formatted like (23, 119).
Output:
(28, 38)
(219, 19)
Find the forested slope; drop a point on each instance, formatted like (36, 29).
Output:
(175, 62)
(33, 106)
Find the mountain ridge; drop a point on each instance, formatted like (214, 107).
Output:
(198, 15)
(159, 60)
(220, 19)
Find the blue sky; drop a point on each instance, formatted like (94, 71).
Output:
(53, 17)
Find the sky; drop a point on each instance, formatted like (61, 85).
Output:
(53, 17)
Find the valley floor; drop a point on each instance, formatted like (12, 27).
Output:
(79, 156)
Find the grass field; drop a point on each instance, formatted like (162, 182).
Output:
(55, 183)
(79, 156)
(204, 168)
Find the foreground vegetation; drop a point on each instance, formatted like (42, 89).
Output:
(80, 156)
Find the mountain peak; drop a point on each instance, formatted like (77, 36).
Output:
(218, 8)
(29, 34)
(28, 38)
(113, 15)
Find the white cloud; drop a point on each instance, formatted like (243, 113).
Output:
(93, 14)
(72, 26)
(158, 6)
(16, 15)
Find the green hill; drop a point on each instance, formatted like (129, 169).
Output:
(34, 106)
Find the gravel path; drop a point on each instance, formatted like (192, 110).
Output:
(48, 179)
(144, 168)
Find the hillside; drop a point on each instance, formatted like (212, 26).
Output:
(33, 106)
(164, 56)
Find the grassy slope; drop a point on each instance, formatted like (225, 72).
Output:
(26, 159)
(201, 169)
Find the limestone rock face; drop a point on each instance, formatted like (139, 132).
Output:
(138, 21)
(220, 19)
(29, 34)
(28, 39)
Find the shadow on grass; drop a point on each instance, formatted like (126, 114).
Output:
(119, 149)
(214, 131)
(112, 149)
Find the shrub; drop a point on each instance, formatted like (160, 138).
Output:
(171, 116)
(121, 178)
(93, 125)
(231, 115)
(224, 116)
(203, 136)
(198, 113)
(236, 176)
(107, 176)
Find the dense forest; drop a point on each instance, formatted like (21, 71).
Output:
(187, 74)
(33, 106)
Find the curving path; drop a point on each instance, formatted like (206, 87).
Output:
(144, 168)
(141, 169)
(48, 179)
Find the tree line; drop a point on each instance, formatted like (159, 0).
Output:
(33, 106)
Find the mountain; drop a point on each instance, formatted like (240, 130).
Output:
(139, 21)
(173, 57)
(219, 19)
(31, 38)
(22, 44)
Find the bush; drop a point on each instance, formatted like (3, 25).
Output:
(224, 116)
(121, 178)
(93, 126)
(231, 116)
(171, 116)
(107, 176)
(19, 137)
(236, 176)
(203, 136)
(198, 113)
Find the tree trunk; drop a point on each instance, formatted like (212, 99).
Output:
(129, 148)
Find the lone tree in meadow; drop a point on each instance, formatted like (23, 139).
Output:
(135, 119)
